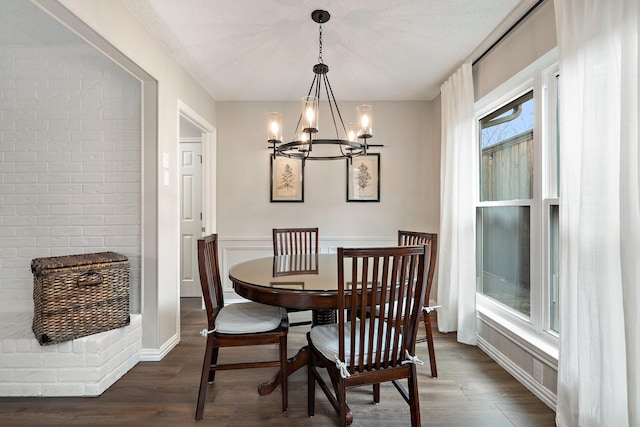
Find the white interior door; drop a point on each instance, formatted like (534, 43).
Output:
(190, 217)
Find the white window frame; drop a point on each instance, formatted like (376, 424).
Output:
(550, 181)
(532, 331)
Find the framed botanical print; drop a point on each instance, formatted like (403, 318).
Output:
(363, 178)
(287, 179)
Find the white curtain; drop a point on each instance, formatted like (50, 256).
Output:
(456, 252)
(598, 376)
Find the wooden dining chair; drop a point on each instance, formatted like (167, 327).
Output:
(295, 241)
(288, 241)
(408, 238)
(235, 325)
(380, 348)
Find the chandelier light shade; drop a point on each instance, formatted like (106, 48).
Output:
(348, 142)
(275, 127)
(352, 132)
(365, 122)
(309, 114)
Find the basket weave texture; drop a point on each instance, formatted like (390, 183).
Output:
(79, 295)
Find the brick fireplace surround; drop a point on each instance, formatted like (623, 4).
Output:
(85, 366)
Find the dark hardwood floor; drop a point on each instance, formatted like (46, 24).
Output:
(471, 390)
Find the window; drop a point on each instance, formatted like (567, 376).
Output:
(517, 214)
(506, 141)
(503, 239)
(504, 228)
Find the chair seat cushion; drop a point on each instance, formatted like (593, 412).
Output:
(325, 339)
(248, 318)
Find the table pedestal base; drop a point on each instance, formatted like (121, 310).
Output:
(319, 317)
(323, 317)
(293, 364)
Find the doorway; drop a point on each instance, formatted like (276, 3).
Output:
(193, 192)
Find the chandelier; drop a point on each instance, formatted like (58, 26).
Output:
(350, 141)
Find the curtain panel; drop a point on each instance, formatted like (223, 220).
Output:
(598, 376)
(458, 172)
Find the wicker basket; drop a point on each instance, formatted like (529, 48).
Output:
(79, 295)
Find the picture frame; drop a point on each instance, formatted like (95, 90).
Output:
(363, 178)
(287, 179)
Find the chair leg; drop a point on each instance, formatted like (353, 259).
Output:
(430, 346)
(376, 393)
(311, 386)
(212, 365)
(342, 405)
(414, 398)
(206, 374)
(284, 373)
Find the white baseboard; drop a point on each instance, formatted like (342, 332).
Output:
(518, 373)
(157, 354)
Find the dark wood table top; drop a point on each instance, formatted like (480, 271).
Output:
(306, 282)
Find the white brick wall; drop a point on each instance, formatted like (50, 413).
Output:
(70, 168)
(83, 367)
(70, 163)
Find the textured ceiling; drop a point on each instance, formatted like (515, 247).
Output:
(265, 49)
(375, 49)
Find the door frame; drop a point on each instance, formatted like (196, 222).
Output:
(208, 164)
(209, 141)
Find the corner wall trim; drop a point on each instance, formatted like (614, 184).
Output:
(157, 354)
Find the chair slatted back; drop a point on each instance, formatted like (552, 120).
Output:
(385, 273)
(288, 241)
(409, 238)
(210, 277)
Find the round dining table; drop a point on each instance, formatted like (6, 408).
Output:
(301, 282)
(305, 282)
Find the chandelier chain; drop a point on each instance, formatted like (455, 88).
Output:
(320, 46)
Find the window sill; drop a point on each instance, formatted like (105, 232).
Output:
(518, 330)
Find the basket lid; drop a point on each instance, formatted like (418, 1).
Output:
(38, 265)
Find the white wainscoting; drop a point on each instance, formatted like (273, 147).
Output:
(519, 357)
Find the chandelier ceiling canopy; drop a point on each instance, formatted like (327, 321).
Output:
(349, 141)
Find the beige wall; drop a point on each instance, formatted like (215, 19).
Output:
(529, 41)
(409, 174)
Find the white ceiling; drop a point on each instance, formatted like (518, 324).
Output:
(375, 49)
(265, 49)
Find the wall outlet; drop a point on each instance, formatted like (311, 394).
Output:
(538, 371)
